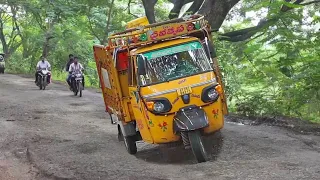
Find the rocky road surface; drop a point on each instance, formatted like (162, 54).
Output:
(52, 134)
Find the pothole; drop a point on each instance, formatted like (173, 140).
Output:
(77, 104)
(40, 111)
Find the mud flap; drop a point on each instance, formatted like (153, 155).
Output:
(190, 118)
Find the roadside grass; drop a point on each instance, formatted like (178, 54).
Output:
(62, 76)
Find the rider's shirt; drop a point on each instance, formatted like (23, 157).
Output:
(43, 65)
(75, 67)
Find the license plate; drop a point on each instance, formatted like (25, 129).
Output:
(183, 91)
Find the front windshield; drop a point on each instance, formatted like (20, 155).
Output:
(174, 62)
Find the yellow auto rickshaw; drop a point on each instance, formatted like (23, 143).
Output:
(162, 82)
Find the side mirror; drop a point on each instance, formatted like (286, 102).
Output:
(141, 62)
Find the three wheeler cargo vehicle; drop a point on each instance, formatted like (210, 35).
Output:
(162, 82)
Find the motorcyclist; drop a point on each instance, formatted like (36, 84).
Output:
(43, 64)
(71, 57)
(74, 68)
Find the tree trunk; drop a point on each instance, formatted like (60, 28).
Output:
(215, 11)
(149, 9)
(104, 41)
(174, 13)
(5, 47)
(195, 6)
(48, 37)
(46, 46)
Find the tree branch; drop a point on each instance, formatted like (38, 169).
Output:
(174, 13)
(309, 3)
(195, 7)
(92, 30)
(129, 11)
(244, 34)
(256, 37)
(108, 23)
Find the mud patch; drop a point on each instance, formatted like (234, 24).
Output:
(40, 112)
(46, 172)
(145, 178)
(47, 140)
(294, 124)
(87, 148)
(176, 154)
(288, 166)
(78, 104)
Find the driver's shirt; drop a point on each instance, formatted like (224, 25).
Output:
(43, 65)
(75, 67)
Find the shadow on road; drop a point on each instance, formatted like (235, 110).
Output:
(163, 154)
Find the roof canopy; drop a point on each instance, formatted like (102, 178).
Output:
(142, 35)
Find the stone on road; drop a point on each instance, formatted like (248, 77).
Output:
(53, 134)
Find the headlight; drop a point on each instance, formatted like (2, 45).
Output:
(213, 94)
(210, 94)
(158, 105)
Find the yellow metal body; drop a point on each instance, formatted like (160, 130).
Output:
(128, 101)
(143, 21)
(159, 128)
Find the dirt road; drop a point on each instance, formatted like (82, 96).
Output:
(53, 135)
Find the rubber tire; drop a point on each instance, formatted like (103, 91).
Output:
(40, 86)
(80, 89)
(39, 83)
(75, 91)
(130, 144)
(44, 84)
(197, 146)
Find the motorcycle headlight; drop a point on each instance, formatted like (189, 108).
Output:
(159, 105)
(210, 94)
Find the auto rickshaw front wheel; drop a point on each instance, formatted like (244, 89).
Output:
(130, 143)
(197, 146)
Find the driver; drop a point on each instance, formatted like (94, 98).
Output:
(75, 67)
(42, 65)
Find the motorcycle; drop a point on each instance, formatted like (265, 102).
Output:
(43, 78)
(2, 63)
(77, 84)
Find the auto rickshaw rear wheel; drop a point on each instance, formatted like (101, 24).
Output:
(130, 143)
(197, 146)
